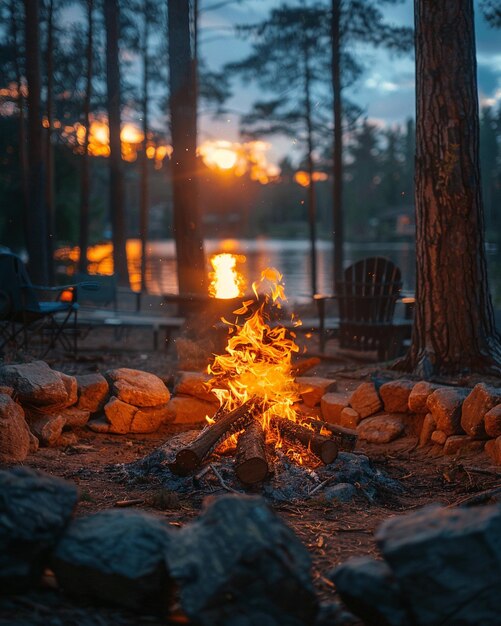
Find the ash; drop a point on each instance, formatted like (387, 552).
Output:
(350, 476)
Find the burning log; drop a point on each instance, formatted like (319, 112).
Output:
(346, 438)
(189, 458)
(251, 465)
(324, 448)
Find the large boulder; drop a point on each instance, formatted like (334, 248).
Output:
(93, 390)
(14, 432)
(479, 401)
(447, 563)
(240, 564)
(395, 395)
(365, 400)
(37, 384)
(34, 511)
(116, 557)
(369, 589)
(138, 388)
(445, 406)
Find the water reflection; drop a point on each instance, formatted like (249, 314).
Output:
(291, 257)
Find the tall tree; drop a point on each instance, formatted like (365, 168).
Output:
(191, 269)
(37, 218)
(352, 21)
(116, 187)
(85, 172)
(454, 327)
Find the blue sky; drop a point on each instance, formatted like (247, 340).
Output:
(385, 91)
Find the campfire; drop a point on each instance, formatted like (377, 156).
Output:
(254, 381)
(226, 281)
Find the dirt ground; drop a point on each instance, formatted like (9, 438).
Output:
(332, 532)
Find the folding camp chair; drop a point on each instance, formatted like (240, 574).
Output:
(24, 315)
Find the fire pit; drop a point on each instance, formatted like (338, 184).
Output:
(258, 431)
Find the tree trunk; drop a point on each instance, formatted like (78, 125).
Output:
(49, 148)
(37, 218)
(191, 270)
(144, 200)
(311, 185)
(116, 187)
(85, 173)
(23, 163)
(454, 328)
(337, 199)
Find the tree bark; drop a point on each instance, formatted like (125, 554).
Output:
(49, 148)
(116, 186)
(337, 149)
(454, 328)
(37, 218)
(191, 269)
(144, 199)
(85, 173)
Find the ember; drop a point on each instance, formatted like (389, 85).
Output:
(254, 383)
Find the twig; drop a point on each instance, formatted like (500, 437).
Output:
(318, 487)
(481, 470)
(477, 498)
(122, 503)
(224, 485)
(202, 473)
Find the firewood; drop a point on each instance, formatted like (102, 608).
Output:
(346, 438)
(324, 448)
(189, 458)
(251, 465)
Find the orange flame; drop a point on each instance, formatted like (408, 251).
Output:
(257, 359)
(226, 281)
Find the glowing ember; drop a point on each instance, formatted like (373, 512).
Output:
(226, 281)
(257, 362)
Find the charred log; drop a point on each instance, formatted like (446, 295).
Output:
(346, 438)
(251, 465)
(189, 458)
(324, 448)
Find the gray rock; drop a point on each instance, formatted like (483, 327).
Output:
(117, 557)
(34, 511)
(14, 431)
(343, 492)
(369, 590)
(240, 561)
(447, 563)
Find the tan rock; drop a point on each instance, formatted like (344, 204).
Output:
(419, 395)
(75, 417)
(365, 400)
(438, 436)
(189, 410)
(138, 388)
(149, 419)
(395, 395)
(349, 418)
(119, 415)
(445, 406)
(66, 439)
(14, 432)
(47, 428)
(493, 450)
(492, 421)
(93, 391)
(429, 426)
(479, 401)
(331, 405)
(312, 388)
(195, 384)
(380, 429)
(462, 443)
(35, 384)
(70, 384)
